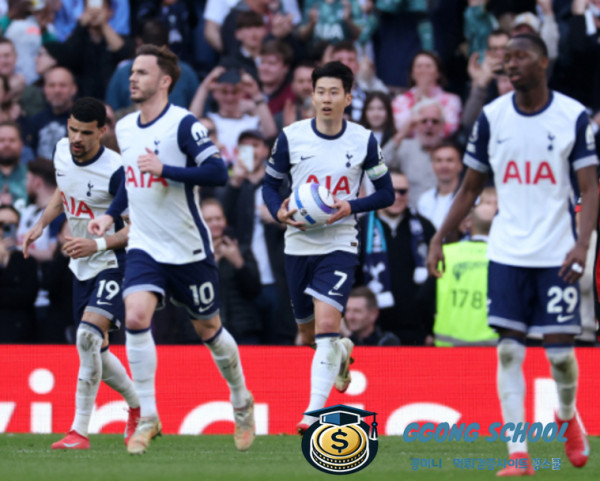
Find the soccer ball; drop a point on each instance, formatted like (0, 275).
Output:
(314, 204)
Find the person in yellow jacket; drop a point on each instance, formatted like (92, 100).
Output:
(461, 318)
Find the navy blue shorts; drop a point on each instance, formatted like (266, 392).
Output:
(327, 277)
(193, 286)
(100, 294)
(532, 300)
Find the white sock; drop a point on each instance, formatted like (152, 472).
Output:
(115, 375)
(226, 355)
(89, 341)
(511, 387)
(563, 366)
(325, 367)
(141, 353)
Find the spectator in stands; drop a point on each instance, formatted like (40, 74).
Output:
(9, 108)
(8, 62)
(250, 31)
(18, 283)
(70, 11)
(413, 155)
(238, 277)
(50, 125)
(94, 50)
(152, 32)
(461, 318)
(28, 25)
(275, 62)
(547, 29)
(427, 81)
(254, 226)
(215, 13)
(393, 251)
(109, 138)
(346, 53)
(361, 319)
(233, 115)
(13, 172)
(447, 167)
(377, 116)
(330, 21)
(297, 108)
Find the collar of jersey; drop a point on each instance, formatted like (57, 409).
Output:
(144, 126)
(525, 114)
(92, 160)
(313, 124)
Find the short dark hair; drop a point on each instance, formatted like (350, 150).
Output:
(13, 124)
(279, 48)
(536, 42)
(344, 46)
(335, 70)
(44, 169)
(8, 41)
(248, 20)
(447, 144)
(167, 61)
(154, 32)
(13, 209)
(88, 109)
(364, 291)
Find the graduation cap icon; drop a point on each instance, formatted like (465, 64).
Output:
(341, 415)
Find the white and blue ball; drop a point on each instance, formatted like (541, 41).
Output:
(314, 204)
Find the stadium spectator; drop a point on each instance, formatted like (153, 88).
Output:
(330, 21)
(152, 32)
(46, 128)
(531, 245)
(547, 28)
(346, 53)
(18, 283)
(160, 254)
(413, 155)
(274, 66)
(426, 82)
(13, 172)
(8, 62)
(479, 23)
(301, 106)
(28, 25)
(361, 319)
(70, 12)
(9, 108)
(215, 13)
(447, 166)
(253, 225)
(393, 251)
(238, 277)
(228, 88)
(377, 116)
(461, 305)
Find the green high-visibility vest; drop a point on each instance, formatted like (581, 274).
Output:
(461, 318)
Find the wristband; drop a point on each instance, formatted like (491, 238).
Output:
(100, 244)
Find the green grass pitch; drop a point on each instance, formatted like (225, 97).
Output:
(28, 457)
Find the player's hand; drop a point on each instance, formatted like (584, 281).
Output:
(285, 216)
(343, 210)
(574, 264)
(435, 257)
(77, 247)
(149, 162)
(34, 234)
(99, 226)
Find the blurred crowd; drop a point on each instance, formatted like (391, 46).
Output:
(423, 71)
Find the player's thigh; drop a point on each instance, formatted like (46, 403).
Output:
(557, 311)
(327, 318)
(139, 309)
(299, 272)
(511, 295)
(195, 288)
(331, 283)
(106, 298)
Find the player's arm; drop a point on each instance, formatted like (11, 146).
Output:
(585, 162)
(208, 168)
(378, 173)
(77, 247)
(477, 161)
(51, 212)
(278, 169)
(100, 225)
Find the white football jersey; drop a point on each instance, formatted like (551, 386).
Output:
(335, 162)
(533, 158)
(87, 189)
(166, 221)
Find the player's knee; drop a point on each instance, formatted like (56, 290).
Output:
(510, 352)
(136, 319)
(562, 358)
(88, 338)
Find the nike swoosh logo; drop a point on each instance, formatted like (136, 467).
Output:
(102, 303)
(500, 141)
(331, 293)
(307, 157)
(71, 445)
(562, 318)
(202, 309)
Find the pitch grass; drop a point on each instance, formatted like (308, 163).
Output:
(28, 457)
